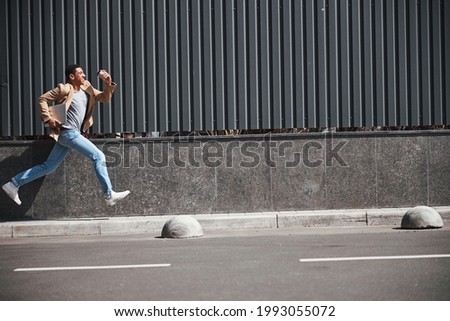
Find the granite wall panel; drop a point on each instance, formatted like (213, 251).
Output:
(310, 171)
(298, 176)
(243, 178)
(190, 185)
(402, 171)
(351, 177)
(439, 170)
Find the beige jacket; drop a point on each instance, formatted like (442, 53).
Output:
(63, 94)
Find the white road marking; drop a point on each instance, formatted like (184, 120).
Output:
(101, 267)
(365, 258)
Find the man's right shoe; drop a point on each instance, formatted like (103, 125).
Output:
(12, 192)
(115, 197)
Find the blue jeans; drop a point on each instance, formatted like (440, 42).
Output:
(68, 140)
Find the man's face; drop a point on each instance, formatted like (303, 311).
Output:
(78, 77)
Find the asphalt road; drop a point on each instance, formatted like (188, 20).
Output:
(244, 265)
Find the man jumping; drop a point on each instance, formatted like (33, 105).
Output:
(79, 97)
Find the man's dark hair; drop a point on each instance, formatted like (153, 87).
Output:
(70, 70)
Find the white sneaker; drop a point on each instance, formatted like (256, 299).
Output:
(12, 192)
(115, 197)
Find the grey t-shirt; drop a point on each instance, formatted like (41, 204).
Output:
(77, 110)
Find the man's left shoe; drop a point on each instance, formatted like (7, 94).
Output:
(115, 197)
(12, 192)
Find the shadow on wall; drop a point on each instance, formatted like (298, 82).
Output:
(31, 154)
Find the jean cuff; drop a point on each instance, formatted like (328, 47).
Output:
(15, 182)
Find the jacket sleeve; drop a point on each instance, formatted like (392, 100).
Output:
(54, 95)
(105, 95)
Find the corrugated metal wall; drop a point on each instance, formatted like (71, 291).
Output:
(185, 65)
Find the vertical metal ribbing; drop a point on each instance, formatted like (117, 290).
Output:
(150, 94)
(345, 63)
(264, 63)
(446, 53)
(185, 66)
(437, 67)
(16, 72)
(218, 66)
(241, 65)
(275, 65)
(5, 81)
(299, 62)
(366, 88)
(128, 63)
(311, 57)
(391, 63)
(323, 64)
(253, 90)
(368, 68)
(287, 65)
(414, 65)
(380, 62)
(334, 73)
(82, 34)
(196, 58)
(207, 89)
(93, 38)
(403, 57)
(232, 64)
(106, 52)
(425, 63)
(36, 68)
(60, 40)
(26, 87)
(116, 66)
(105, 115)
(173, 66)
(161, 66)
(71, 31)
(358, 66)
(92, 65)
(139, 66)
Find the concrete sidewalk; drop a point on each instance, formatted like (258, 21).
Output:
(211, 222)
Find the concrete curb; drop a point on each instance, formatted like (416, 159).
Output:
(211, 222)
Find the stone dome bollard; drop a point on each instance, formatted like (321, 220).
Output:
(182, 226)
(422, 217)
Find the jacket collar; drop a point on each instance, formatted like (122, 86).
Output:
(85, 87)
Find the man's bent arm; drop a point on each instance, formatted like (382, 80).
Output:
(105, 95)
